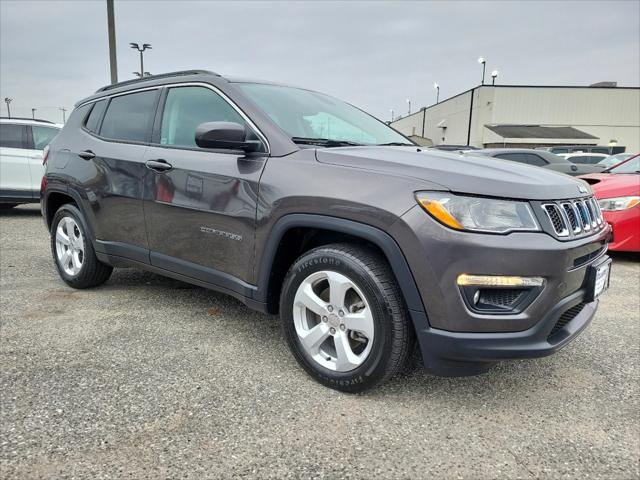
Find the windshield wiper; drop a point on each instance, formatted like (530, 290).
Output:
(325, 142)
(395, 144)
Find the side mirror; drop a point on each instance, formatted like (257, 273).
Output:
(226, 136)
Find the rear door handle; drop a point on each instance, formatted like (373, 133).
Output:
(159, 165)
(87, 155)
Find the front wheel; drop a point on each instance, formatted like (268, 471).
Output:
(344, 317)
(73, 251)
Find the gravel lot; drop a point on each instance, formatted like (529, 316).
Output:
(147, 377)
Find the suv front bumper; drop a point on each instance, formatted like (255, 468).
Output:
(457, 341)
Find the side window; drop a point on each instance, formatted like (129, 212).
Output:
(188, 107)
(93, 121)
(533, 159)
(599, 150)
(515, 157)
(130, 117)
(42, 136)
(13, 136)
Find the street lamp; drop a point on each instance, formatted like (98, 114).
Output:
(494, 75)
(392, 114)
(484, 66)
(145, 46)
(409, 103)
(137, 74)
(437, 87)
(64, 114)
(8, 100)
(33, 113)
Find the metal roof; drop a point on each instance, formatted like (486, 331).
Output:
(538, 131)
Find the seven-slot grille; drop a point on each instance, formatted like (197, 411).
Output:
(577, 217)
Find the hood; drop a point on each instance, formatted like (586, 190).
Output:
(473, 174)
(609, 185)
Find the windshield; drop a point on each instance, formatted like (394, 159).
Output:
(311, 117)
(630, 166)
(614, 159)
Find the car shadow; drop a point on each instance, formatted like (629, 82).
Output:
(625, 256)
(21, 211)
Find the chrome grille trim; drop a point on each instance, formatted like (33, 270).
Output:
(574, 218)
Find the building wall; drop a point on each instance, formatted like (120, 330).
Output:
(608, 113)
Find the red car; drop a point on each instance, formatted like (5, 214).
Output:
(618, 192)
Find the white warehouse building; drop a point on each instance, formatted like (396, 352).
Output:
(530, 116)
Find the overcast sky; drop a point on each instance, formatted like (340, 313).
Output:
(372, 54)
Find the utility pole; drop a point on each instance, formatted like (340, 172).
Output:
(33, 113)
(111, 27)
(483, 61)
(8, 100)
(64, 116)
(145, 46)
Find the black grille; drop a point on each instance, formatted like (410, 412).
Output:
(571, 215)
(556, 219)
(500, 297)
(565, 318)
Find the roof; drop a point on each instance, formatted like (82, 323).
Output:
(25, 120)
(134, 81)
(538, 131)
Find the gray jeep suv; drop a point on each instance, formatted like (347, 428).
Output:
(299, 204)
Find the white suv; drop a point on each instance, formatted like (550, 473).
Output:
(21, 144)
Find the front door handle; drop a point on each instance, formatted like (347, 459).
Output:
(87, 155)
(159, 165)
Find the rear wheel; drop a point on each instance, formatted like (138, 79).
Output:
(344, 317)
(73, 251)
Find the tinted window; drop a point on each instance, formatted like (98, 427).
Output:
(13, 136)
(516, 157)
(533, 159)
(600, 150)
(585, 159)
(42, 136)
(93, 122)
(188, 107)
(130, 117)
(560, 150)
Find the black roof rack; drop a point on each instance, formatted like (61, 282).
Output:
(27, 118)
(156, 77)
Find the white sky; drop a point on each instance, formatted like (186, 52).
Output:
(372, 54)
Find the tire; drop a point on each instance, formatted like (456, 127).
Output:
(351, 344)
(81, 268)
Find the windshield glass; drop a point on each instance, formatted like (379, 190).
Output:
(614, 159)
(309, 116)
(630, 166)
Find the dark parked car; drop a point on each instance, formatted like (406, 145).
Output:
(539, 158)
(298, 203)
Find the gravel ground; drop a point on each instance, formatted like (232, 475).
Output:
(147, 377)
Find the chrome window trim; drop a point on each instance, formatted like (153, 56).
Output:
(233, 105)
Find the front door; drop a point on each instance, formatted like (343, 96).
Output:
(200, 205)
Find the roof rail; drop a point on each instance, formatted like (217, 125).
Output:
(156, 77)
(27, 118)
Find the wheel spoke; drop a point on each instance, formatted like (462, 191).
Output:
(61, 237)
(345, 358)
(77, 264)
(338, 286)
(308, 298)
(64, 259)
(361, 321)
(314, 337)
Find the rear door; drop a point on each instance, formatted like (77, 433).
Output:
(109, 167)
(15, 158)
(200, 212)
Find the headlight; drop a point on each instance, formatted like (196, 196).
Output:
(477, 213)
(618, 203)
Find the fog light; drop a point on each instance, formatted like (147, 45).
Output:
(498, 281)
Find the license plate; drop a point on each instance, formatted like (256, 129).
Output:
(601, 279)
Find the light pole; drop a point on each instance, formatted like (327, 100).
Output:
(8, 100)
(437, 87)
(392, 114)
(64, 114)
(111, 28)
(409, 103)
(145, 46)
(494, 75)
(33, 113)
(484, 66)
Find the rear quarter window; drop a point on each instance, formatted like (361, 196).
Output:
(42, 136)
(13, 136)
(129, 117)
(93, 120)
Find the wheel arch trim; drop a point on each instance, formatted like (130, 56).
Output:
(381, 239)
